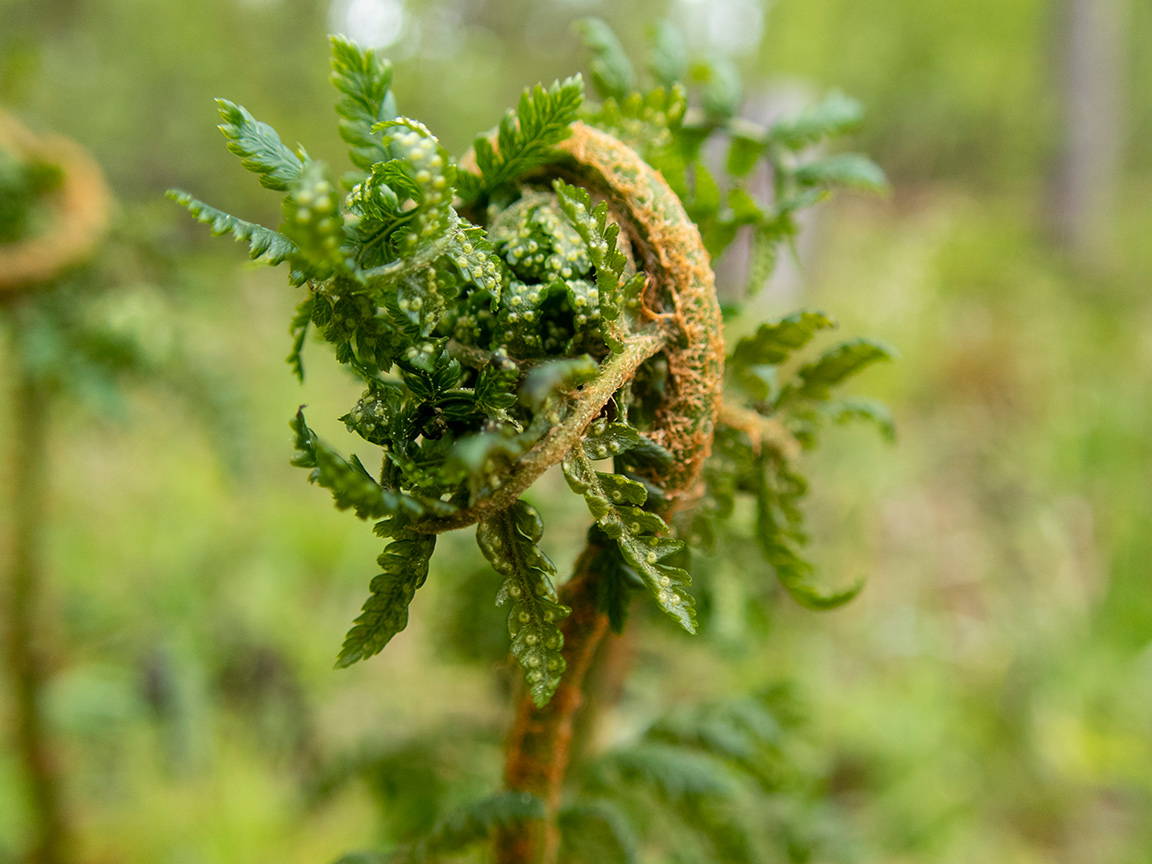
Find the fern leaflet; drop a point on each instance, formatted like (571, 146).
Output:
(508, 541)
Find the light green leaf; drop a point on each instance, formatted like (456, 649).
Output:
(844, 170)
(364, 80)
(816, 380)
(668, 60)
(833, 116)
(612, 72)
(259, 148)
(264, 244)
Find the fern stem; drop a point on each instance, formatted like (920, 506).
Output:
(26, 664)
(538, 746)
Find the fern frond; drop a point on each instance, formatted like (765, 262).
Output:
(526, 137)
(264, 244)
(668, 55)
(313, 221)
(775, 341)
(364, 81)
(508, 541)
(612, 72)
(676, 772)
(299, 330)
(597, 832)
(615, 293)
(404, 568)
(866, 410)
(259, 148)
(471, 824)
(614, 502)
(351, 484)
(843, 171)
(815, 380)
(836, 115)
(779, 530)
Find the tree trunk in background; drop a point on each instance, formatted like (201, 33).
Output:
(1091, 61)
(23, 573)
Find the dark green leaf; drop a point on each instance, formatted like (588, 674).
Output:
(527, 137)
(509, 542)
(613, 501)
(473, 823)
(352, 486)
(404, 568)
(597, 832)
(299, 330)
(364, 80)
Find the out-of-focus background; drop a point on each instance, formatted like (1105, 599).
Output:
(987, 698)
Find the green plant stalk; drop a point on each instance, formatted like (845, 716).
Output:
(24, 567)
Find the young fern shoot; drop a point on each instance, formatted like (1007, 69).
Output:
(546, 300)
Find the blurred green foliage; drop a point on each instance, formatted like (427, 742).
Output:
(987, 697)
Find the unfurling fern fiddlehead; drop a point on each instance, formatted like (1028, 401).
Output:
(547, 301)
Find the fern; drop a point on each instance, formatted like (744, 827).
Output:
(508, 541)
(364, 81)
(844, 170)
(836, 115)
(597, 831)
(471, 824)
(259, 148)
(299, 330)
(351, 484)
(496, 341)
(494, 318)
(815, 380)
(612, 72)
(614, 502)
(525, 138)
(264, 245)
(404, 568)
(591, 224)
